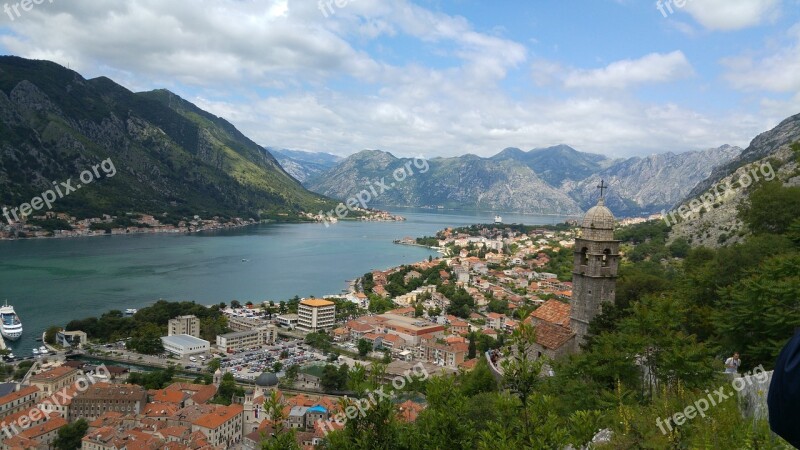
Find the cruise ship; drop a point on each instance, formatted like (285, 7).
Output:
(10, 325)
(498, 219)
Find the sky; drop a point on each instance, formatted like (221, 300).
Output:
(443, 77)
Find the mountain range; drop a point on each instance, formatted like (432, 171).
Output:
(553, 180)
(172, 158)
(175, 160)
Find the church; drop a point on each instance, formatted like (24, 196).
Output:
(561, 328)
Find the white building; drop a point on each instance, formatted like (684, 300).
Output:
(182, 345)
(288, 320)
(184, 325)
(316, 314)
(242, 340)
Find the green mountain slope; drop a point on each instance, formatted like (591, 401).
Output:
(170, 156)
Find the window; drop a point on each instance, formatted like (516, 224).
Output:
(584, 256)
(606, 257)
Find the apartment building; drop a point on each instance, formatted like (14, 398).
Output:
(54, 380)
(18, 400)
(446, 355)
(239, 323)
(184, 325)
(104, 397)
(316, 314)
(223, 427)
(242, 340)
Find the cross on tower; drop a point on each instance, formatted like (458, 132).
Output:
(602, 186)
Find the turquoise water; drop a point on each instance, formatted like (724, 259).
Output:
(53, 281)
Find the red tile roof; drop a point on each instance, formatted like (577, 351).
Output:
(552, 336)
(553, 311)
(29, 390)
(219, 417)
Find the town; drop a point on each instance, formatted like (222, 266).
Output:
(438, 316)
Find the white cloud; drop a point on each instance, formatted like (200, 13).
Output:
(289, 77)
(652, 68)
(775, 69)
(728, 15)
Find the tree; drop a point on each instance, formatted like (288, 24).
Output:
(70, 435)
(771, 208)
(479, 380)
(277, 366)
(752, 318)
(50, 334)
(334, 379)
(227, 390)
(364, 347)
(291, 374)
(147, 340)
(472, 346)
(235, 304)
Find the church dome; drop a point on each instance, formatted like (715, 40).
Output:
(267, 379)
(599, 217)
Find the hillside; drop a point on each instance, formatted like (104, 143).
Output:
(170, 156)
(771, 156)
(303, 166)
(650, 184)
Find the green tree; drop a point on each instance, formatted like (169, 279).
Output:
(752, 318)
(227, 390)
(364, 347)
(291, 374)
(472, 346)
(70, 435)
(771, 208)
(50, 335)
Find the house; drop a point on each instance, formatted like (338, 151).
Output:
(495, 321)
(447, 355)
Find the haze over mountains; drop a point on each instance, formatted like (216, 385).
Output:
(554, 180)
(304, 165)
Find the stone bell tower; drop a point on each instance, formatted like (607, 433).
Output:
(594, 274)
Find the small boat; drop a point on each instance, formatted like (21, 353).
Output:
(245, 260)
(498, 219)
(11, 357)
(130, 312)
(36, 351)
(10, 325)
(43, 350)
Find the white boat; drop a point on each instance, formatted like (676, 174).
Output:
(43, 350)
(36, 351)
(130, 312)
(10, 325)
(498, 219)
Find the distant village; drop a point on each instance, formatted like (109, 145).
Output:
(62, 225)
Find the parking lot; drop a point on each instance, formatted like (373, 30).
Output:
(249, 364)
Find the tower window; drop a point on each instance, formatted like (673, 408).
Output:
(584, 256)
(606, 257)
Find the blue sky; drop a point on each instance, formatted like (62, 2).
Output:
(443, 78)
